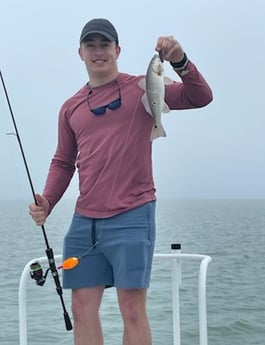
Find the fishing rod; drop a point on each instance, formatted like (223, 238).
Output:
(49, 251)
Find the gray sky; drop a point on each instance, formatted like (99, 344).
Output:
(216, 152)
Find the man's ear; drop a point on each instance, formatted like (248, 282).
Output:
(80, 53)
(118, 51)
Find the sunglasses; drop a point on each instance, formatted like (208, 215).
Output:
(112, 105)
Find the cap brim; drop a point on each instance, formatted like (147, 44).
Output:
(109, 37)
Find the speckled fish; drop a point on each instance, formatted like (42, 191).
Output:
(153, 98)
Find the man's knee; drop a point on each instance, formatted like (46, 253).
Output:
(85, 301)
(132, 305)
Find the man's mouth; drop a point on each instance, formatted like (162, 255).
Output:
(99, 61)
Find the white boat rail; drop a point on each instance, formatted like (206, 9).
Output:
(176, 260)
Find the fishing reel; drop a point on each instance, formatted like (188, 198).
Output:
(36, 273)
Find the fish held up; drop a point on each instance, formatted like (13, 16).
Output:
(153, 98)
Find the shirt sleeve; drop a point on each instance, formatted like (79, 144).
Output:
(62, 166)
(191, 92)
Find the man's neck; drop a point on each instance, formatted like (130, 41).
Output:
(99, 80)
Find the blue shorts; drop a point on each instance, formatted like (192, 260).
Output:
(116, 251)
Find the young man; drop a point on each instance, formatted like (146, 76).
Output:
(104, 132)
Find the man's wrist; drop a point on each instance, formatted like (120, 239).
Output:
(181, 66)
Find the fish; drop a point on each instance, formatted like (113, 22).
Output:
(153, 98)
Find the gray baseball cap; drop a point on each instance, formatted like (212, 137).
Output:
(99, 26)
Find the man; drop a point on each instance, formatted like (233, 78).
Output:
(104, 131)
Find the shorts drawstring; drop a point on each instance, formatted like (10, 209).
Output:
(93, 234)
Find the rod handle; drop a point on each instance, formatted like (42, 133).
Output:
(67, 320)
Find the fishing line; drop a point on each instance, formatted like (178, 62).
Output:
(49, 251)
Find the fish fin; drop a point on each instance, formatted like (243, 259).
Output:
(146, 104)
(165, 108)
(142, 83)
(157, 132)
(168, 81)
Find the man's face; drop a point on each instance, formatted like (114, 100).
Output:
(99, 54)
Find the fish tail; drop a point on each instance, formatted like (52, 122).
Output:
(157, 132)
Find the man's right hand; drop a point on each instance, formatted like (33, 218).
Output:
(40, 211)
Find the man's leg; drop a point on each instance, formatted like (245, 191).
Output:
(132, 304)
(85, 308)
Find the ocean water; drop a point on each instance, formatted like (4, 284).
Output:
(230, 231)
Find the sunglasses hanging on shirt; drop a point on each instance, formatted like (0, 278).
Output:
(102, 109)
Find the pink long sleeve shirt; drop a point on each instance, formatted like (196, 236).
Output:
(113, 152)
